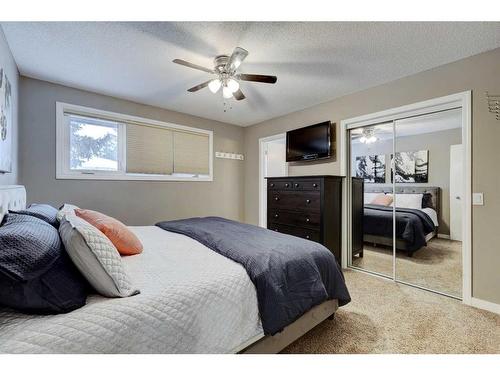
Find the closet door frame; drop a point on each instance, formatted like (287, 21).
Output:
(460, 100)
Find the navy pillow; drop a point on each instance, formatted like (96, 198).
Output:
(36, 274)
(427, 200)
(41, 211)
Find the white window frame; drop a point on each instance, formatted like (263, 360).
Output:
(64, 172)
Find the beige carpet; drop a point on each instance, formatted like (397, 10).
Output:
(437, 266)
(386, 317)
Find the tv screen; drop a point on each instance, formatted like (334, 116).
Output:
(309, 143)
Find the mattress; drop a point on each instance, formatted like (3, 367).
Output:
(192, 300)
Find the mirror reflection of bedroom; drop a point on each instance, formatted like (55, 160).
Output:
(406, 193)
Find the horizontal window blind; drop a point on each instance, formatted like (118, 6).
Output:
(191, 153)
(149, 150)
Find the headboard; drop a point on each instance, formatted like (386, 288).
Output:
(434, 191)
(12, 197)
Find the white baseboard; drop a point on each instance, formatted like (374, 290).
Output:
(445, 236)
(485, 305)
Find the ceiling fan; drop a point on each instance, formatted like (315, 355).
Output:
(225, 68)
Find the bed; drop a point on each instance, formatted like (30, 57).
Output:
(414, 227)
(192, 300)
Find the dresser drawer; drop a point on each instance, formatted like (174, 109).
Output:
(308, 234)
(313, 184)
(291, 200)
(279, 184)
(305, 219)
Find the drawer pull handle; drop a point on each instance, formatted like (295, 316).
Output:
(276, 198)
(272, 185)
(307, 237)
(276, 215)
(287, 185)
(307, 220)
(315, 185)
(308, 201)
(276, 230)
(296, 185)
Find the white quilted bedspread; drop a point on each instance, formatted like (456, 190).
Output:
(192, 300)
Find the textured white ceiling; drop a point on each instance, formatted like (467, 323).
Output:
(314, 62)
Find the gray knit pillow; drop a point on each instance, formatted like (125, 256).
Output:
(96, 257)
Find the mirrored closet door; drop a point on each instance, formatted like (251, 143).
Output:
(372, 216)
(428, 179)
(406, 182)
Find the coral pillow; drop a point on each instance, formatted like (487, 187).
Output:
(382, 200)
(124, 240)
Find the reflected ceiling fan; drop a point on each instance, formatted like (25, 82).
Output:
(227, 77)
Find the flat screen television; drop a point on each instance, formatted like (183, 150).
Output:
(309, 143)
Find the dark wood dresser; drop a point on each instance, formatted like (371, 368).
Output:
(309, 207)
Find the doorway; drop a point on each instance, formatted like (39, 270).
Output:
(272, 163)
(413, 164)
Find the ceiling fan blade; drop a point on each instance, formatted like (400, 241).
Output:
(199, 87)
(238, 95)
(239, 54)
(191, 65)
(258, 78)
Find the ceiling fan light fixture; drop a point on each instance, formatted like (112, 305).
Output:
(214, 85)
(225, 74)
(368, 136)
(226, 92)
(233, 85)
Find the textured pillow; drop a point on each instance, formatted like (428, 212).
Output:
(382, 200)
(96, 257)
(124, 240)
(64, 210)
(44, 212)
(36, 275)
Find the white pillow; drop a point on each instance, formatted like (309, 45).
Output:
(64, 210)
(96, 257)
(369, 197)
(408, 201)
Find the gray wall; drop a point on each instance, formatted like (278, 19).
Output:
(477, 73)
(133, 202)
(438, 144)
(9, 65)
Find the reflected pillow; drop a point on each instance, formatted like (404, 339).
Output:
(124, 240)
(382, 200)
(408, 201)
(427, 201)
(369, 197)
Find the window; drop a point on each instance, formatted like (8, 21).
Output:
(94, 144)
